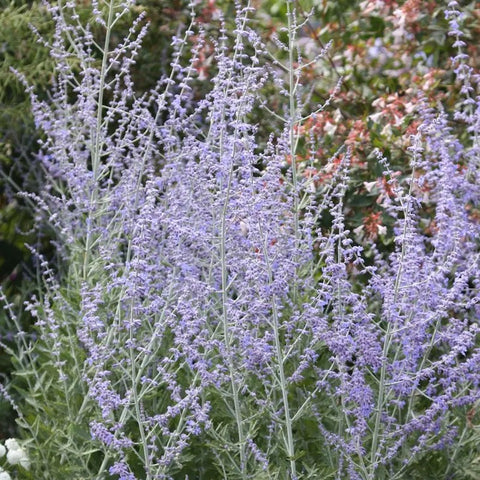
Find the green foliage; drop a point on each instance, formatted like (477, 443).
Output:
(55, 409)
(20, 50)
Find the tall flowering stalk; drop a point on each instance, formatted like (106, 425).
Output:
(210, 300)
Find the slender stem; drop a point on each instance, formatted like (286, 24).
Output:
(136, 400)
(281, 378)
(97, 135)
(227, 337)
(292, 118)
(387, 342)
(226, 330)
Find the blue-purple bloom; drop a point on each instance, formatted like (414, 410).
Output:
(206, 282)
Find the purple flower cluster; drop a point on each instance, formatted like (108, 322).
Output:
(205, 275)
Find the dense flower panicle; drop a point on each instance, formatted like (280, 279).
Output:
(210, 275)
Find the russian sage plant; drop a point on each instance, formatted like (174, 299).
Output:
(210, 315)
